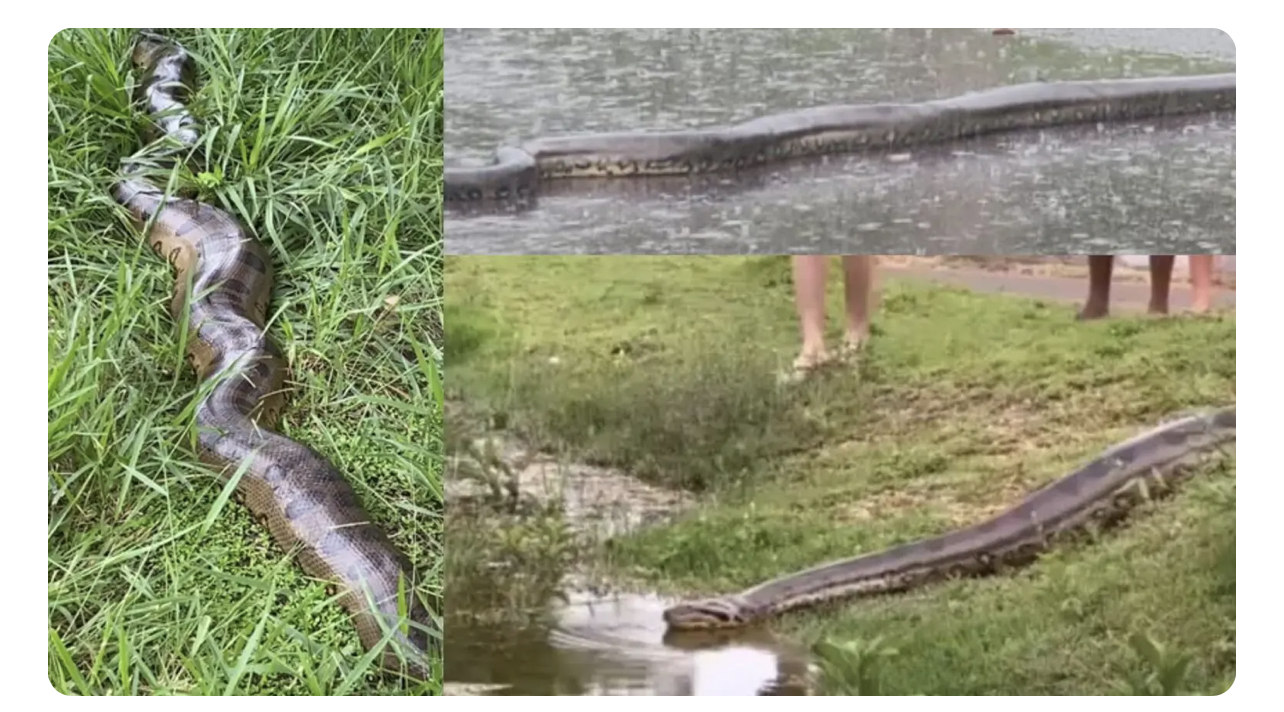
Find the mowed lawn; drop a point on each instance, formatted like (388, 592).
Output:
(964, 403)
(327, 144)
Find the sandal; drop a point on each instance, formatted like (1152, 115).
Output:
(804, 366)
(850, 350)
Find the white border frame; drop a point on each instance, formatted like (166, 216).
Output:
(24, 659)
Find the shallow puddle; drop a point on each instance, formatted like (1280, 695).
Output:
(591, 641)
(617, 645)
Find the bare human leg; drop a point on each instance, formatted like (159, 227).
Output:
(858, 278)
(809, 298)
(1161, 277)
(1100, 270)
(1201, 283)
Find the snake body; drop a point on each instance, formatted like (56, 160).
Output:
(517, 172)
(224, 284)
(1100, 491)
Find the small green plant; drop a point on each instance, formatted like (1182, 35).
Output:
(852, 667)
(210, 180)
(505, 570)
(1165, 670)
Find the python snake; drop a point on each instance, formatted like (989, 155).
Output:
(517, 172)
(1100, 491)
(222, 292)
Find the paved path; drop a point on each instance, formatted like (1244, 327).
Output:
(1125, 295)
(1225, 264)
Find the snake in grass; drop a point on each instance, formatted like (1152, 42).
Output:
(1098, 493)
(517, 171)
(221, 295)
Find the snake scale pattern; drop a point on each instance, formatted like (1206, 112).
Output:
(1098, 493)
(517, 171)
(224, 284)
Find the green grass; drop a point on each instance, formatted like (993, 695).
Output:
(327, 143)
(964, 403)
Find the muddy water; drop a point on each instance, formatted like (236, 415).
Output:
(599, 644)
(1161, 186)
(590, 640)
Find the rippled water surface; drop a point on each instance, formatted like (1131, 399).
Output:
(1156, 186)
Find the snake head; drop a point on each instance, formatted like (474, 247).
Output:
(724, 612)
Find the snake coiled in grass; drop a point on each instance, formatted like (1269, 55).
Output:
(517, 171)
(1098, 493)
(221, 296)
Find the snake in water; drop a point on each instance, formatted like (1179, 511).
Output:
(1099, 492)
(222, 292)
(517, 171)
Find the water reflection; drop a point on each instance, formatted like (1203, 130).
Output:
(533, 625)
(616, 645)
(1163, 186)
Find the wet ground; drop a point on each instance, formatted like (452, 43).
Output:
(595, 640)
(1155, 186)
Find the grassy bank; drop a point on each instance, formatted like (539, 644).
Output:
(327, 143)
(964, 403)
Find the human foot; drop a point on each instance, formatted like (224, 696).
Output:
(807, 363)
